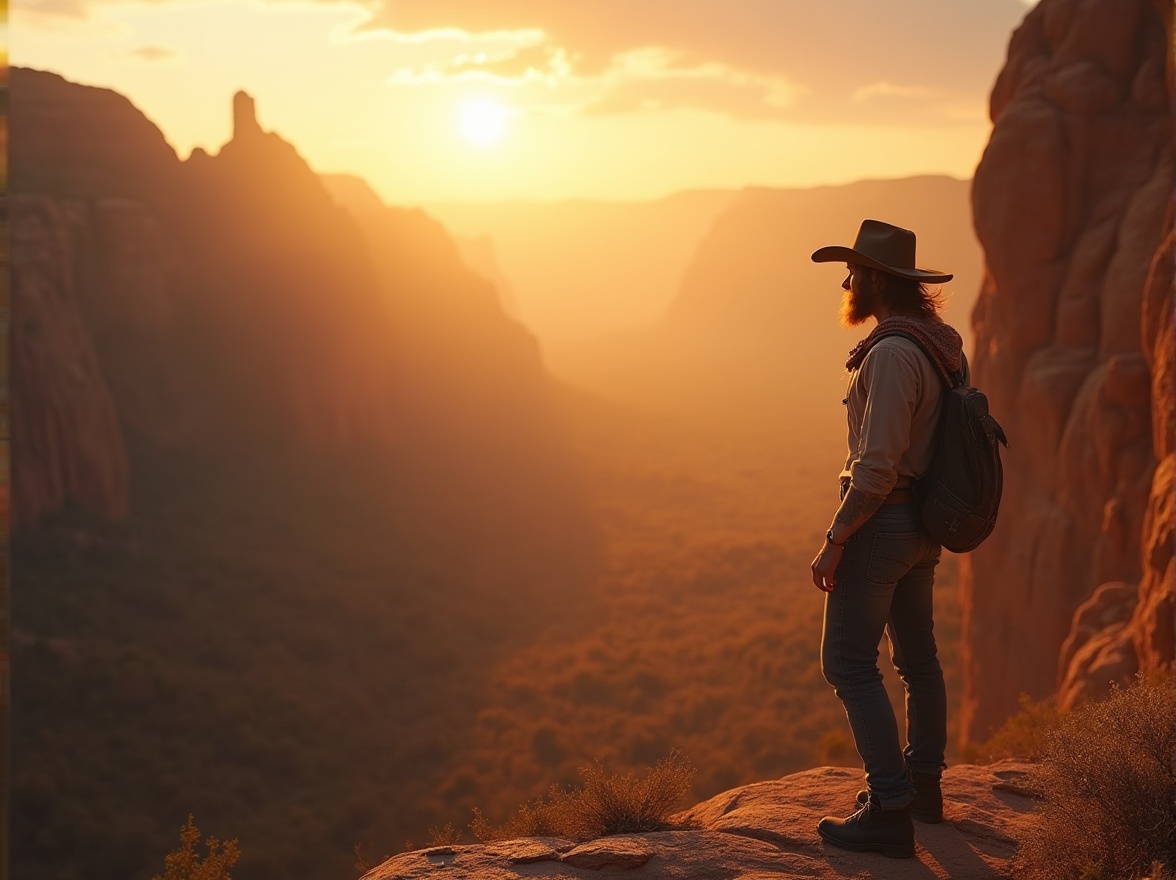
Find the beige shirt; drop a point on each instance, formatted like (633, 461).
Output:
(892, 407)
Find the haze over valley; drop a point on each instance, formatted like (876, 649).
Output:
(516, 574)
(397, 435)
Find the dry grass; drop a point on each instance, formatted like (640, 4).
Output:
(1108, 780)
(607, 803)
(1025, 736)
(185, 863)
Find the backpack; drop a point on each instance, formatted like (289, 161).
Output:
(959, 494)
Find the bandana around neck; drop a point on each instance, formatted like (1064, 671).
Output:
(939, 338)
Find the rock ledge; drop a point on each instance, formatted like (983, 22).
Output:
(765, 830)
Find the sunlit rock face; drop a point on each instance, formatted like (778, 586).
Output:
(1152, 628)
(1069, 203)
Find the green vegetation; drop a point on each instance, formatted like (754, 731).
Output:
(185, 863)
(606, 803)
(1107, 781)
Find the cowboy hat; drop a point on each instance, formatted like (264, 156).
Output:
(882, 246)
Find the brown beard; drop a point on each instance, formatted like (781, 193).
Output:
(857, 307)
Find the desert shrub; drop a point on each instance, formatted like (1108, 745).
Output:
(537, 818)
(1108, 782)
(443, 835)
(365, 860)
(607, 803)
(185, 863)
(1157, 872)
(1025, 735)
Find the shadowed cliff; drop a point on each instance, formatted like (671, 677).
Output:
(285, 487)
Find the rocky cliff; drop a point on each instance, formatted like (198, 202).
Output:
(226, 300)
(67, 440)
(1069, 203)
(1152, 628)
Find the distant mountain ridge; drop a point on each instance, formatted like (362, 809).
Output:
(581, 269)
(754, 327)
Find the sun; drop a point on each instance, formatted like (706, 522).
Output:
(483, 122)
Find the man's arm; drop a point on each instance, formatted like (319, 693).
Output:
(855, 509)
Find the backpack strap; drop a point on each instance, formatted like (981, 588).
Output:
(950, 379)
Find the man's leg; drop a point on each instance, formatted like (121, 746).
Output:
(913, 650)
(876, 558)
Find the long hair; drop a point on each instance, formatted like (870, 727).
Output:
(905, 296)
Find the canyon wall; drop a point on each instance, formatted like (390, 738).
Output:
(1069, 205)
(66, 432)
(227, 302)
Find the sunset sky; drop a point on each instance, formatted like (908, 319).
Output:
(433, 100)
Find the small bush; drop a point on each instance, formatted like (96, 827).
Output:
(1025, 735)
(537, 818)
(444, 835)
(1108, 780)
(606, 804)
(185, 863)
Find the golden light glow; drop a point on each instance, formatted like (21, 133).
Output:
(482, 122)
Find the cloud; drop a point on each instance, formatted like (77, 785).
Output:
(890, 90)
(798, 60)
(750, 58)
(646, 79)
(543, 61)
(652, 77)
(153, 53)
(75, 10)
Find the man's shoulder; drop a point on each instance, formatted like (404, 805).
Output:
(893, 347)
(897, 361)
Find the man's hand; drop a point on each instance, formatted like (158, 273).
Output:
(825, 567)
(856, 507)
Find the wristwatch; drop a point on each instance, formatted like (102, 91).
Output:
(829, 538)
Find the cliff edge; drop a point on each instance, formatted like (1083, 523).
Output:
(764, 830)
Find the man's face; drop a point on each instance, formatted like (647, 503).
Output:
(857, 303)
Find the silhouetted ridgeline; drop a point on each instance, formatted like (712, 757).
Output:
(280, 482)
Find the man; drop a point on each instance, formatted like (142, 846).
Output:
(877, 566)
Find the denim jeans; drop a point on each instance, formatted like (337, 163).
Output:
(884, 584)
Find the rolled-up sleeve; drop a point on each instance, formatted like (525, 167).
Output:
(890, 381)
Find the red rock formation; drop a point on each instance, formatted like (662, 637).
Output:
(227, 302)
(1068, 203)
(281, 278)
(67, 446)
(83, 142)
(1153, 625)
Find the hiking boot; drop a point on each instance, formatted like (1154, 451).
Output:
(927, 806)
(872, 829)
